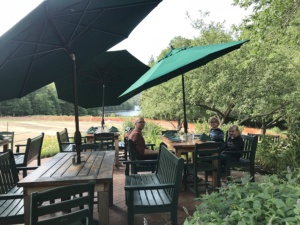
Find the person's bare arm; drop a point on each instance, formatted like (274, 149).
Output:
(150, 152)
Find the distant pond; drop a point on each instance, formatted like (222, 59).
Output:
(134, 112)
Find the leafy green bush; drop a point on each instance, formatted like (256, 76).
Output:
(50, 147)
(112, 115)
(152, 132)
(268, 154)
(270, 201)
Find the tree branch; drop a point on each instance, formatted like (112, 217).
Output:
(269, 124)
(261, 115)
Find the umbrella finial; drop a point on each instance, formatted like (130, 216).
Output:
(171, 47)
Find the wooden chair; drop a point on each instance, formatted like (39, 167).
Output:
(106, 140)
(186, 154)
(124, 146)
(275, 137)
(32, 151)
(76, 217)
(135, 168)
(248, 156)
(93, 147)
(156, 192)
(201, 162)
(11, 137)
(64, 141)
(11, 196)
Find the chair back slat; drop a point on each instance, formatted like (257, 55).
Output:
(10, 135)
(168, 170)
(33, 148)
(250, 144)
(8, 173)
(106, 140)
(94, 147)
(131, 150)
(211, 151)
(62, 137)
(39, 209)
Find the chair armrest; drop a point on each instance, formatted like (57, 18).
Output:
(140, 162)
(11, 196)
(68, 143)
(151, 145)
(27, 168)
(234, 152)
(20, 145)
(19, 153)
(148, 187)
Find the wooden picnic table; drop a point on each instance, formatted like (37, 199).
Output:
(181, 147)
(4, 143)
(90, 139)
(59, 171)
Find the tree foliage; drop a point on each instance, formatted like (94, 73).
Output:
(45, 102)
(258, 81)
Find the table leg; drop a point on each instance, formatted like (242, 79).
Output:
(117, 152)
(26, 206)
(5, 147)
(111, 194)
(103, 207)
(214, 174)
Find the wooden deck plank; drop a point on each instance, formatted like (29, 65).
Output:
(88, 165)
(106, 170)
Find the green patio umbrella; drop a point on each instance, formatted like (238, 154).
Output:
(177, 62)
(41, 48)
(101, 81)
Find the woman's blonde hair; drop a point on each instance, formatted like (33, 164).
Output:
(215, 119)
(236, 128)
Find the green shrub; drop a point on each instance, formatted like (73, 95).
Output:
(268, 154)
(152, 132)
(50, 147)
(270, 201)
(112, 115)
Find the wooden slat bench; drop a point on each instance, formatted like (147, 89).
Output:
(11, 196)
(155, 192)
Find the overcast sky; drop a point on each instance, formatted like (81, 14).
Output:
(154, 33)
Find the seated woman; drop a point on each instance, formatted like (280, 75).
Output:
(234, 143)
(215, 134)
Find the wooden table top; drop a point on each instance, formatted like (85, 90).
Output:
(116, 134)
(59, 170)
(174, 145)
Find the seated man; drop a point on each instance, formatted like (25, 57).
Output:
(138, 140)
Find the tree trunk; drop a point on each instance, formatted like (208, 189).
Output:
(263, 127)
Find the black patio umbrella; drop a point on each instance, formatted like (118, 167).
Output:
(41, 48)
(101, 81)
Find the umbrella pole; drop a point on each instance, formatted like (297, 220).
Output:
(102, 121)
(77, 135)
(184, 109)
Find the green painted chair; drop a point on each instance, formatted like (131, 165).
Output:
(201, 162)
(247, 159)
(154, 192)
(11, 138)
(84, 203)
(64, 141)
(135, 168)
(32, 152)
(11, 196)
(106, 140)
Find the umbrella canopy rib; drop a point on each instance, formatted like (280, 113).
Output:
(79, 21)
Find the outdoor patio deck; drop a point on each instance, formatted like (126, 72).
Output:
(118, 213)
